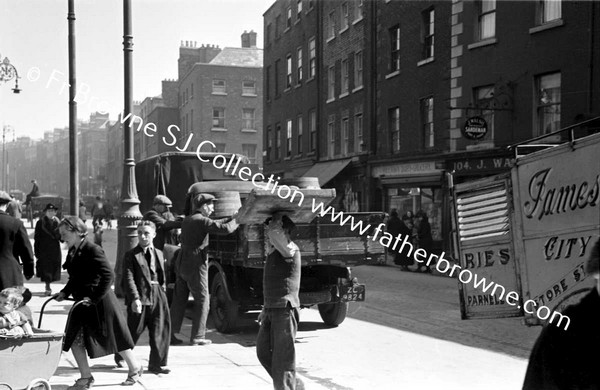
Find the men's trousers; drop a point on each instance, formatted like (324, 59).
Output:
(195, 282)
(157, 319)
(275, 346)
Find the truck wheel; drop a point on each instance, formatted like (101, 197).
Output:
(333, 314)
(224, 311)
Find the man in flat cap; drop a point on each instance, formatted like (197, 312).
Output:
(14, 244)
(192, 267)
(166, 223)
(559, 359)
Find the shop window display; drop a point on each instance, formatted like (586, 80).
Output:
(428, 199)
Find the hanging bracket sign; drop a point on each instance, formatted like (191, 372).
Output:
(475, 128)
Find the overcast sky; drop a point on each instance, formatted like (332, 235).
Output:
(33, 35)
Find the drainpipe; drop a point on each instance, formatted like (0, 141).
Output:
(591, 51)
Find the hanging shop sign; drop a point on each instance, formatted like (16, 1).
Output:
(475, 128)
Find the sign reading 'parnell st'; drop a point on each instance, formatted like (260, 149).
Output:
(475, 128)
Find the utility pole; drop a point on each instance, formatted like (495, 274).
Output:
(73, 142)
(130, 211)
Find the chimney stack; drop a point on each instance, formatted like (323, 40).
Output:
(249, 39)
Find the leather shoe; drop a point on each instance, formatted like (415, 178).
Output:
(159, 370)
(200, 341)
(176, 341)
(132, 379)
(82, 384)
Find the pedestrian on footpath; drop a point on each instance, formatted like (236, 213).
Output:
(14, 208)
(145, 297)
(14, 246)
(278, 325)
(395, 227)
(424, 237)
(192, 267)
(98, 211)
(96, 325)
(46, 247)
(558, 360)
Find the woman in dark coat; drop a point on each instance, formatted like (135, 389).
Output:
(97, 325)
(14, 246)
(395, 226)
(47, 247)
(424, 236)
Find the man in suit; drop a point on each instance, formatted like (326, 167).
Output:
(14, 245)
(145, 297)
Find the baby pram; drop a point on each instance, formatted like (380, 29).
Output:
(29, 362)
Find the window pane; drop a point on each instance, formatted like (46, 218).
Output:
(552, 10)
(548, 101)
(488, 26)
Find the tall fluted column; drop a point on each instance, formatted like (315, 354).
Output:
(130, 211)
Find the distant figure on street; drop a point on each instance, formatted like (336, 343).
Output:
(281, 285)
(82, 211)
(14, 208)
(35, 191)
(98, 232)
(98, 211)
(558, 360)
(424, 236)
(47, 247)
(14, 246)
(396, 226)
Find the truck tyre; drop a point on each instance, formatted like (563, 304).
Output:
(333, 314)
(224, 311)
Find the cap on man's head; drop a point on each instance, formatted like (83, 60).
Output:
(50, 206)
(162, 199)
(4, 197)
(201, 199)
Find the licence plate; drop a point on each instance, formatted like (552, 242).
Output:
(352, 293)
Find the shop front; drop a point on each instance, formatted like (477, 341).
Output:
(411, 187)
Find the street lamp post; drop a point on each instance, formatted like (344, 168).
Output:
(130, 211)
(9, 72)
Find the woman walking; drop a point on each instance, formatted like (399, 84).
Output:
(97, 325)
(47, 247)
(425, 237)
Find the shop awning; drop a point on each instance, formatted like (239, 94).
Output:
(326, 171)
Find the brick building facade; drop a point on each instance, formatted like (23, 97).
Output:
(523, 68)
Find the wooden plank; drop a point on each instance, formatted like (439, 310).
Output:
(297, 204)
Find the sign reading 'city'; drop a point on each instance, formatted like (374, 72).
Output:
(475, 128)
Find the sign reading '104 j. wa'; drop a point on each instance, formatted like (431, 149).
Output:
(475, 128)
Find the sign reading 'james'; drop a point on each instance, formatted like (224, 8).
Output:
(475, 128)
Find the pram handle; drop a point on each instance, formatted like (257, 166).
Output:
(53, 297)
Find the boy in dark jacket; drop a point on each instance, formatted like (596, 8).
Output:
(144, 283)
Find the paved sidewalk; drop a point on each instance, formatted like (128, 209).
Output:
(225, 364)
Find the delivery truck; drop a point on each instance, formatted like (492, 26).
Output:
(530, 230)
(329, 249)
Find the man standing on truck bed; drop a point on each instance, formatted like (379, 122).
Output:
(281, 284)
(191, 267)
